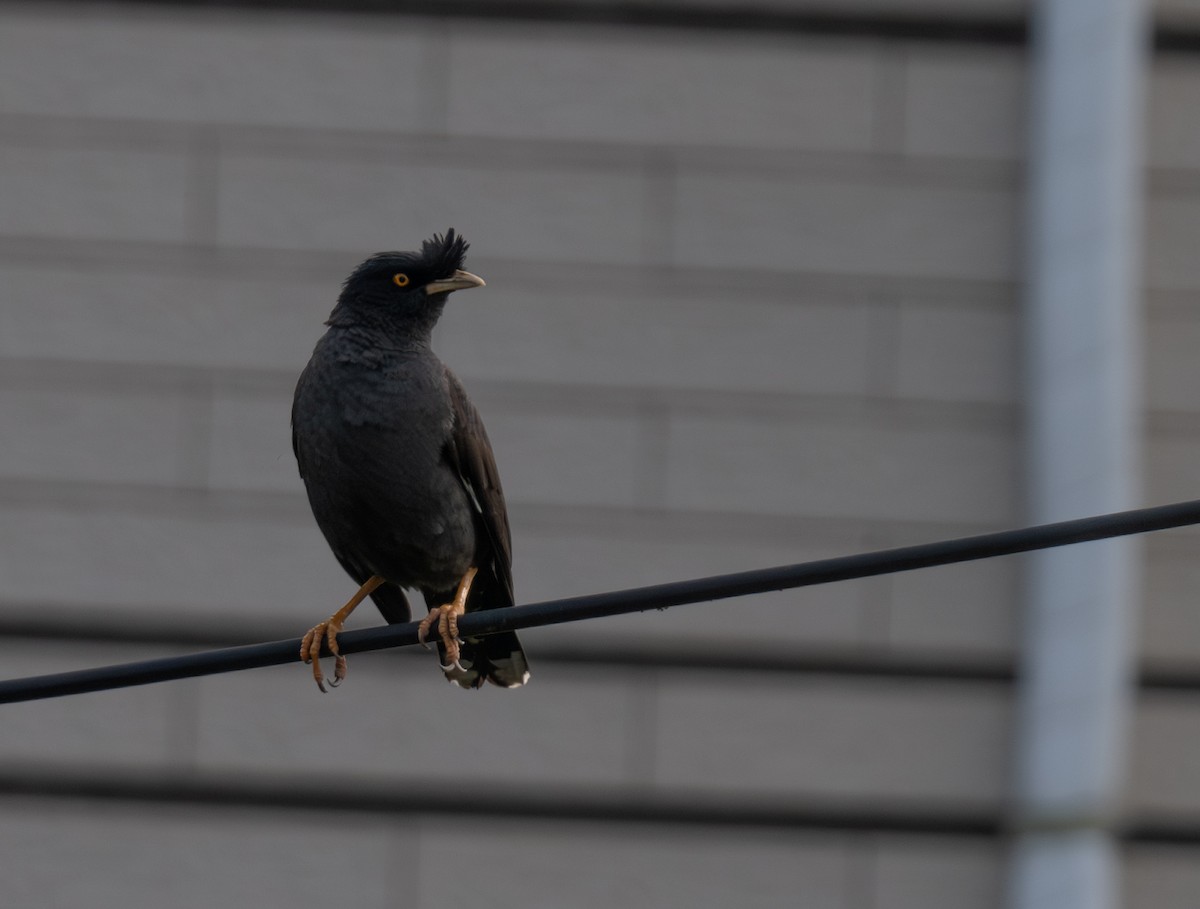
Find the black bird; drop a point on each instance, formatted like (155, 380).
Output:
(398, 467)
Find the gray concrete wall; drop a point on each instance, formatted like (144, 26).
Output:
(751, 300)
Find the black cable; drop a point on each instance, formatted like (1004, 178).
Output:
(639, 599)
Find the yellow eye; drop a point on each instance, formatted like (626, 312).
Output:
(401, 280)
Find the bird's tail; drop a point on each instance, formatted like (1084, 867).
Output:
(496, 658)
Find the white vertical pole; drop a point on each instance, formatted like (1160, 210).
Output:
(1083, 400)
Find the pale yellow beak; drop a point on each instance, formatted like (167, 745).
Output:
(460, 280)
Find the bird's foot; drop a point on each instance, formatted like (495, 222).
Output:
(326, 633)
(446, 617)
(310, 651)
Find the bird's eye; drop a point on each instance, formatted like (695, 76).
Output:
(401, 280)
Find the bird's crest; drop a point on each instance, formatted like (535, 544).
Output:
(443, 254)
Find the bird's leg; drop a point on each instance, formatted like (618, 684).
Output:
(327, 632)
(447, 619)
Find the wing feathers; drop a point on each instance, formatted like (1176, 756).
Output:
(470, 453)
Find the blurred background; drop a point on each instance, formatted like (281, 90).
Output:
(767, 282)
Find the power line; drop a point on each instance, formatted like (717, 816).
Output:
(640, 599)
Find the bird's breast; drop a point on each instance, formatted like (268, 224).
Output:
(372, 443)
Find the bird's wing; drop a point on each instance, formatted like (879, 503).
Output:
(295, 441)
(470, 453)
(303, 453)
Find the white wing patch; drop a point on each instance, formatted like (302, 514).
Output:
(471, 492)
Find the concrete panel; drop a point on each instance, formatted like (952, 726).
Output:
(833, 467)
(1172, 139)
(1172, 368)
(1165, 771)
(252, 441)
(660, 88)
(562, 455)
(798, 222)
(271, 320)
(662, 335)
(583, 866)
(115, 857)
(967, 103)
(855, 739)
(327, 71)
(971, 608)
(398, 718)
(926, 872)
(78, 192)
(56, 431)
(1170, 622)
(187, 560)
(1160, 877)
(111, 314)
(1181, 11)
(1172, 471)
(957, 353)
(538, 211)
(1172, 220)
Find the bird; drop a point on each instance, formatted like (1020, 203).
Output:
(398, 468)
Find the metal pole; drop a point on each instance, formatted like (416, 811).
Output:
(1084, 447)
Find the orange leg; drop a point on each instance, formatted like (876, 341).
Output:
(327, 632)
(447, 619)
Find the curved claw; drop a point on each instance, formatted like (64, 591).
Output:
(310, 652)
(423, 632)
(339, 671)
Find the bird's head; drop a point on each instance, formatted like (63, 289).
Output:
(406, 289)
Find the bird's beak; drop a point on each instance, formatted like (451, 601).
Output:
(460, 280)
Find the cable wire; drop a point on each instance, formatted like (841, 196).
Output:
(639, 599)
